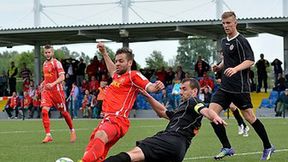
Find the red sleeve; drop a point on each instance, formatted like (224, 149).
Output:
(59, 67)
(139, 80)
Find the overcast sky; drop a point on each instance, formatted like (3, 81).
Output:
(19, 13)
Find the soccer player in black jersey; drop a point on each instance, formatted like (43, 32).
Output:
(238, 57)
(171, 144)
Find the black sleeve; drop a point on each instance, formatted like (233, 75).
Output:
(170, 114)
(248, 52)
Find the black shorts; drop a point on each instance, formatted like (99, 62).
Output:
(223, 98)
(163, 147)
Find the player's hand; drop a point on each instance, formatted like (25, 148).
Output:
(49, 86)
(218, 120)
(101, 48)
(230, 71)
(159, 85)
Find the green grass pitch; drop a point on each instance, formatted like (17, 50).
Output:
(20, 141)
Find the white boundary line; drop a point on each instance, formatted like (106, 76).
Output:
(239, 154)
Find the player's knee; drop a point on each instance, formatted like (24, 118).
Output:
(136, 154)
(101, 134)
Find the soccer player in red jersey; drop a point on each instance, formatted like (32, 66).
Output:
(53, 94)
(120, 97)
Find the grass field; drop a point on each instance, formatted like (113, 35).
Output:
(20, 141)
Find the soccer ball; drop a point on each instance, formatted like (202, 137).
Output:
(64, 159)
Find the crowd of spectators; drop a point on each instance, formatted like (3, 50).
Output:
(85, 86)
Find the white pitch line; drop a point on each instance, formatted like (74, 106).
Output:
(239, 154)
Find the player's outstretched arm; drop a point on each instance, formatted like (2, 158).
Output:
(154, 87)
(211, 115)
(157, 106)
(109, 63)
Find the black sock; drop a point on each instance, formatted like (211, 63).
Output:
(121, 157)
(239, 118)
(260, 130)
(221, 134)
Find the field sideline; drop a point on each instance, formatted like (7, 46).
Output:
(20, 141)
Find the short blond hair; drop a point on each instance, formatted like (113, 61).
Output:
(227, 14)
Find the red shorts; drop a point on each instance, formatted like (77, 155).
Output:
(53, 98)
(115, 128)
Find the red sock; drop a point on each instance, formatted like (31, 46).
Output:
(95, 152)
(67, 118)
(46, 120)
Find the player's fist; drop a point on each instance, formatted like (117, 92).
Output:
(101, 47)
(159, 85)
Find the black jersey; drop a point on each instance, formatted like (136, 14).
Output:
(236, 51)
(186, 121)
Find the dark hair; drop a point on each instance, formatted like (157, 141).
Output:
(193, 83)
(127, 51)
(47, 46)
(228, 14)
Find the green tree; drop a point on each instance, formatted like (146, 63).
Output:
(190, 49)
(156, 60)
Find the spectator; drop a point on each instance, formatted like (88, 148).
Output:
(100, 97)
(25, 72)
(12, 72)
(277, 69)
(262, 72)
(206, 94)
(73, 98)
(26, 104)
(93, 105)
(206, 82)
(36, 103)
(176, 92)
(84, 86)
(80, 72)
(180, 73)
(3, 84)
(201, 67)
(161, 74)
(169, 76)
(13, 105)
(31, 90)
(93, 84)
(85, 108)
(282, 103)
(26, 84)
(280, 84)
(103, 68)
(92, 68)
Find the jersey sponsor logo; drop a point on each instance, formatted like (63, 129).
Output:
(231, 47)
(141, 76)
(116, 84)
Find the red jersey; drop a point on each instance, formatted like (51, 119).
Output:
(13, 102)
(27, 101)
(26, 85)
(93, 85)
(52, 70)
(122, 92)
(36, 98)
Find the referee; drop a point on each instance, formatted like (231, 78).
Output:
(238, 57)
